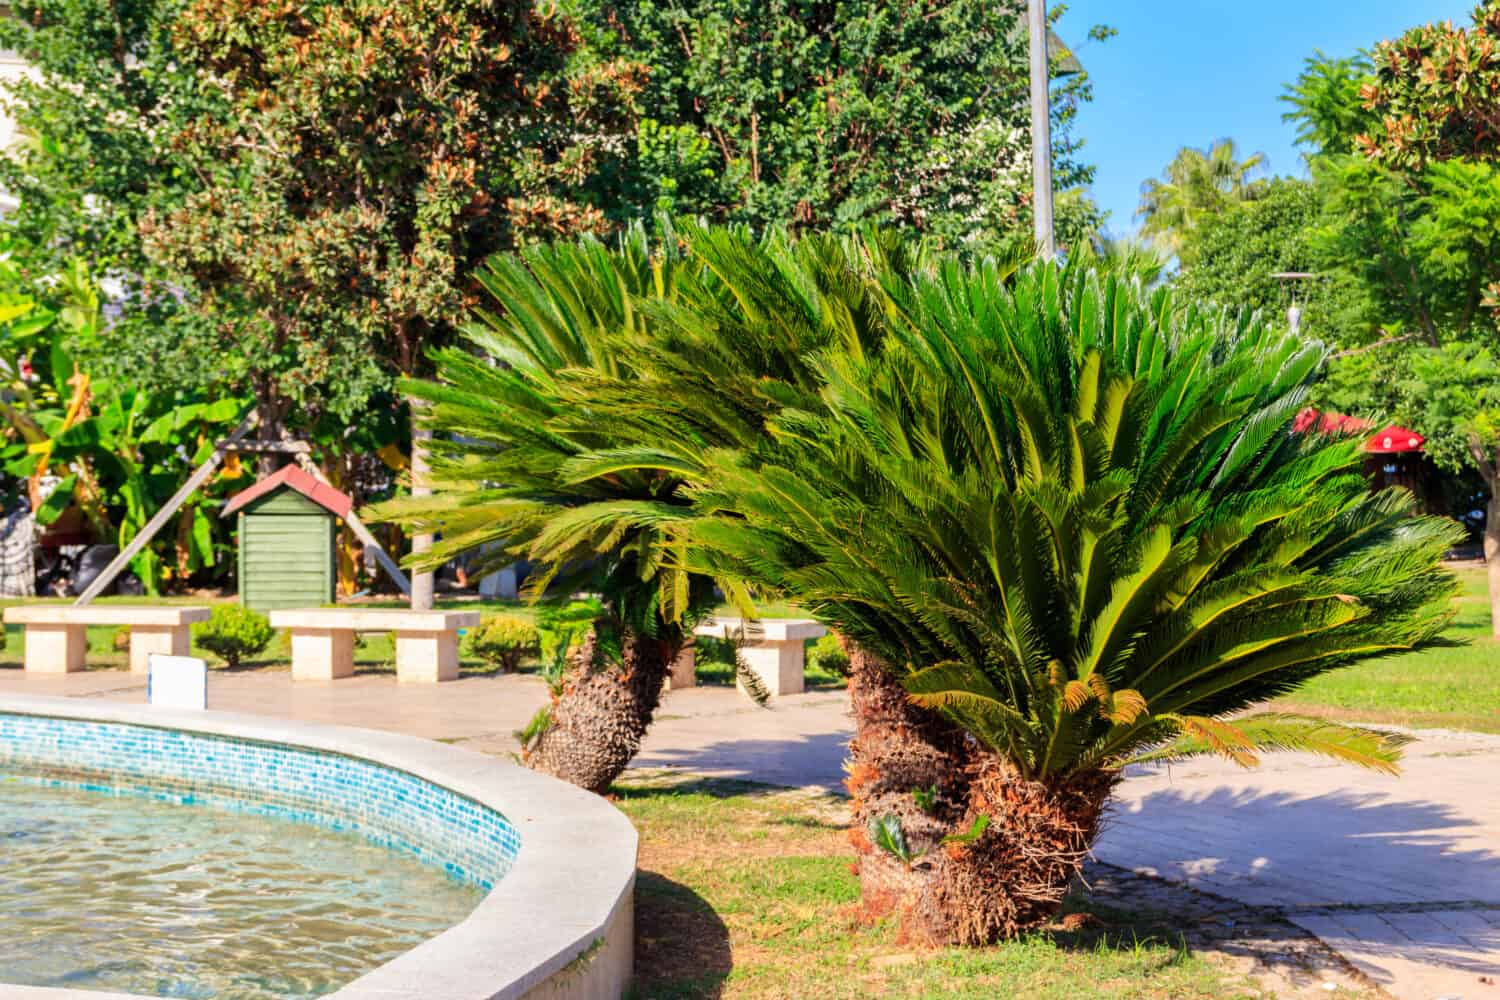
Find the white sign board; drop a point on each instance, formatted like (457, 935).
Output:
(177, 682)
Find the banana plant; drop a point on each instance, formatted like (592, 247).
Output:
(139, 448)
(118, 452)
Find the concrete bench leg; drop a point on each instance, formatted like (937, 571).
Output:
(168, 640)
(779, 665)
(684, 670)
(426, 657)
(55, 649)
(322, 654)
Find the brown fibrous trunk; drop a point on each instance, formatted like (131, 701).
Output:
(1012, 877)
(603, 712)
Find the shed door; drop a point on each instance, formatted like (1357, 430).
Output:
(286, 555)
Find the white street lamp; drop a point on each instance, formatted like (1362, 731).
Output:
(1041, 131)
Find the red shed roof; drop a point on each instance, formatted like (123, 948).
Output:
(325, 496)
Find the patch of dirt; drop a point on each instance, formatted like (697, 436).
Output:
(819, 821)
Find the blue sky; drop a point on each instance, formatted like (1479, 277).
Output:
(1187, 72)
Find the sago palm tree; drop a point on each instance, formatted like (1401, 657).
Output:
(504, 471)
(584, 402)
(1064, 525)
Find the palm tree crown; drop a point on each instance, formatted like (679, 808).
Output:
(1071, 515)
(1197, 183)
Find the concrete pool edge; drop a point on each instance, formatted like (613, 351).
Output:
(558, 925)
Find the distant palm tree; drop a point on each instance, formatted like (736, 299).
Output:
(1132, 256)
(1197, 183)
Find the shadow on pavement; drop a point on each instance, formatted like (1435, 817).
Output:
(1369, 873)
(797, 761)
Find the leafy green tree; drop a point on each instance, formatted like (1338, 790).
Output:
(375, 153)
(92, 160)
(820, 116)
(1326, 106)
(1197, 184)
(1235, 253)
(1434, 92)
(1412, 218)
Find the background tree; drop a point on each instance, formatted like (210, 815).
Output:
(1197, 183)
(1326, 106)
(1434, 93)
(93, 158)
(1236, 251)
(373, 155)
(1411, 219)
(821, 116)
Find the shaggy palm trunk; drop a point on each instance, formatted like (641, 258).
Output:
(603, 711)
(1011, 877)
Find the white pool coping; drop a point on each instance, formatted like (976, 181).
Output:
(562, 916)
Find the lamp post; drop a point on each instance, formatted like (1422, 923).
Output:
(1041, 131)
(1290, 279)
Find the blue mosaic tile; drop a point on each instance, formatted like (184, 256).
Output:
(398, 810)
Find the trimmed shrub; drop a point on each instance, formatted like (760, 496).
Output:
(502, 640)
(234, 633)
(828, 655)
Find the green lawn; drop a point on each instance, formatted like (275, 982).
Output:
(746, 891)
(1452, 688)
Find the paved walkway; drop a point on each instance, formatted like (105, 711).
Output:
(1400, 875)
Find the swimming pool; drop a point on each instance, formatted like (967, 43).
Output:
(197, 855)
(106, 889)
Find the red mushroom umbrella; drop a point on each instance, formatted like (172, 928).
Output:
(1328, 423)
(1394, 440)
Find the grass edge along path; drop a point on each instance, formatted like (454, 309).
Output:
(1455, 687)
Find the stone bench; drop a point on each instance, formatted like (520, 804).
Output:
(772, 648)
(323, 640)
(57, 637)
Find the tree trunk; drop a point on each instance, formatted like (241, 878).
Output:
(1492, 550)
(423, 582)
(271, 408)
(603, 711)
(1009, 878)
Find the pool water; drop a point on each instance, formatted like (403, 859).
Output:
(123, 892)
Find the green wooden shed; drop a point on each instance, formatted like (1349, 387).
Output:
(288, 530)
